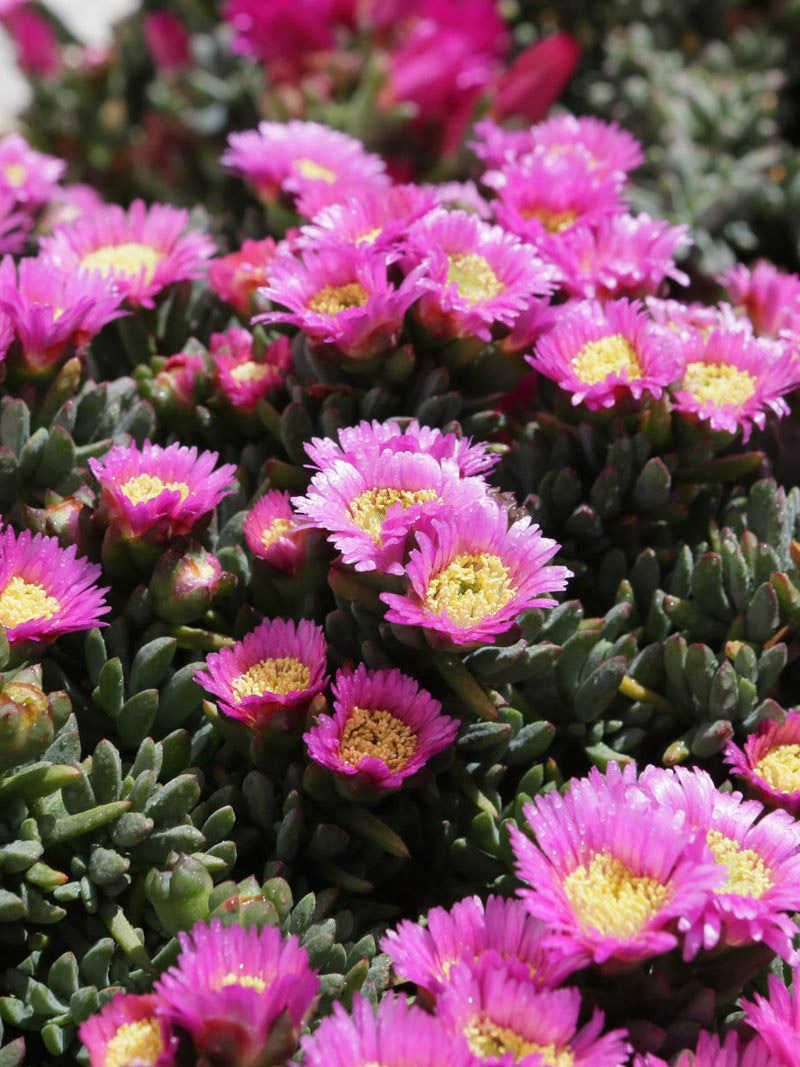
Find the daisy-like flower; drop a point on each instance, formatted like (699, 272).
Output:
(770, 762)
(235, 278)
(395, 1034)
(127, 1030)
(472, 574)
(45, 590)
(776, 1021)
(242, 377)
(503, 1019)
(166, 491)
(426, 954)
(54, 314)
(378, 217)
(480, 277)
(617, 887)
(611, 150)
(272, 533)
(684, 319)
(768, 296)
(14, 225)
(600, 352)
(731, 380)
(710, 1052)
(143, 250)
(342, 297)
(30, 177)
(231, 984)
(383, 730)
(278, 667)
(370, 507)
(355, 443)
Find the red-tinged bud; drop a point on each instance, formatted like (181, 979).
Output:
(536, 79)
(26, 723)
(67, 518)
(167, 40)
(185, 584)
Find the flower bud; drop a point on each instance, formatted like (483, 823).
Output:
(185, 584)
(180, 894)
(26, 723)
(67, 518)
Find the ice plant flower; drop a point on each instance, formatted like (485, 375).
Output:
(370, 507)
(284, 35)
(30, 177)
(342, 297)
(732, 381)
(776, 1021)
(230, 985)
(503, 1019)
(472, 574)
(768, 296)
(617, 887)
(770, 762)
(480, 278)
(279, 666)
(272, 533)
(244, 378)
(601, 352)
(383, 730)
(46, 590)
(379, 218)
(143, 250)
(235, 278)
(167, 41)
(36, 45)
(710, 1052)
(426, 954)
(127, 1031)
(163, 491)
(14, 225)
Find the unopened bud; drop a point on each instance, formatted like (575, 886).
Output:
(180, 895)
(185, 584)
(26, 723)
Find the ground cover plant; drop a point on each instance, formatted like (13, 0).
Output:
(399, 563)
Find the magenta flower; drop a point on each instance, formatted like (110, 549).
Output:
(30, 177)
(377, 217)
(127, 1030)
(243, 378)
(371, 506)
(601, 352)
(426, 954)
(272, 532)
(282, 34)
(279, 666)
(167, 40)
(768, 296)
(504, 1020)
(731, 380)
(36, 45)
(342, 297)
(143, 250)
(393, 1034)
(617, 887)
(46, 590)
(479, 278)
(14, 225)
(770, 762)
(235, 278)
(355, 443)
(472, 574)
(383, 730)
(710, 1052)
(685, 319)
(776, 1021)
(231, 984)
(161, 491)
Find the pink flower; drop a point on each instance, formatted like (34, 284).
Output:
(776, 1021)
(536, 78)
(768, 296)
(770, 762)
(143, 250)
(37, 48)
(601, 352)
(473, 574)
(127, 1030)
(272, 532)
(161, 491)
(244, 378)
(14, 225)
(687, 319)
(236, 277)
(282, 34)
(29, 176)
(379, 218)
(167, 40)
(711, 1052)
(277, 669)
(46, 590)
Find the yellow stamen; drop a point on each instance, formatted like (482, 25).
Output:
(23, 601)
(370, 237)
(748, 875)
(553, 221)
(129, 258)
(137, 1042)
(273, 533)
(145, 487)
(246, 981)
(719, 384)
(780, 768)
(473, 277)
(283, 675)
(610, 355)
(335, 298)
(368, 511)
(608, 897)
(470, 588)
(15, 174)
(489, 1040)
(250, 371)
(372, 732)
(307, 168)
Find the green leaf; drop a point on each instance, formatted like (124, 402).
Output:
(151, 663)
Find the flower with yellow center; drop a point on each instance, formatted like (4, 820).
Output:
(747, 874)
(470, 588)
(552, 221)
(488, 1040)
(718, 384)
(250, 371)
(278, 529)
(473, 276)
(308, 168)
(140, 1042)
(15, 174)
(145, 487)
(23, 601)
(780, 768)
(377, 734)
(244, 981)
(370, 237)
(282, 675)
(130, 258)
(608, 355)
(606, 896)
(333, 299)
(368, 510)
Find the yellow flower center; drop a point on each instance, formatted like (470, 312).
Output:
(307, 168)
(719, 384)
(470, 588)
(283, 675)
(246, 981)
(15, 174)
(553, 221)
(335, 298)
(473, 277)
(370, 237)
(372, 732)
(368, 511)
(608, 897)
(250, 371)
(610, 355)
(780, 768)
(488, 1040)
(145, 487)
(129, 258)
(273, 533)
(23, 601)
(140, 1041)
(748, 875)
